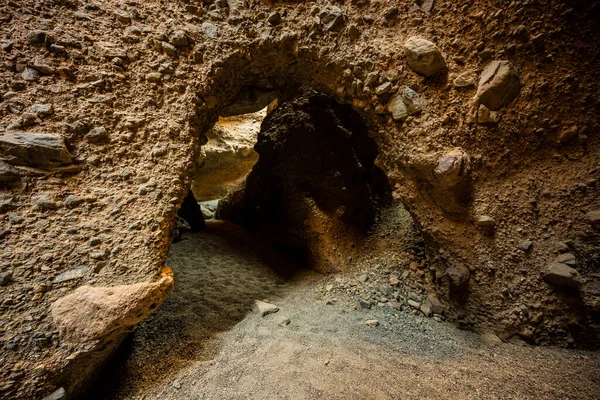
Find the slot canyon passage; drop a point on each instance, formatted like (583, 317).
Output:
(412, 185)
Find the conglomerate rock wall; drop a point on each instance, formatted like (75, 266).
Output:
(485, 115)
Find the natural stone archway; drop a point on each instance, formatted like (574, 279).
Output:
(129, 93)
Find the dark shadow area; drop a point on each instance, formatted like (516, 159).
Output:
(316, 158)
(219, 272)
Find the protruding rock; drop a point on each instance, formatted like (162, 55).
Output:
(34, 149)
(423, 56)
(459, 275)
(8, 173)
(398, 109)
(5, 277)
(486, 222)
(465, 79)
(89, 314)
(71, 274)
(525, 245)
(332, 19)
(498, 86)
(261, 308)
(58, 394)
(491, 338)
(594, 217)
(179, 39)
(566, 258)
(372, 323)
(561, 275)
(97, 136)
(486, 117)
(432, 306)
(209, 30)
(452, 168)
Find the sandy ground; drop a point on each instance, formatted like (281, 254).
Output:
(205, 343)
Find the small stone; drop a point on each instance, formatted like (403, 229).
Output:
(274, 18)
(122, 17)
(372, 322)
(42, 109)
(5, 278)
(414, 304)
(498, 86)
(261, 308)
(486, 222)
(459, 275)
(284, 322)
(413, 102)
(73, 201)
(30, 74)
(491, 339)
(58, 394)
(179, 39)
(363, 278)
(97, 136)
(593, 217)
(398, 109)
(561, 275)
(362, 304)
(74, 273)
(465, 79)
(209, 30)
(433, 304)
(44, 202)
(486, 117)
(566, 258)
(353, 32)
(6, 46)
(423, 56)
(36, 37)
(4, 233)
(99, 254)
(169, 49)
(383, 88)
(525, 245)
(33, 149)
(332, 19)
(155, 77)
(8, 173)
(394, 280)
(385, 290)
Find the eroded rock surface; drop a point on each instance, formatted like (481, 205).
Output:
(126, 67)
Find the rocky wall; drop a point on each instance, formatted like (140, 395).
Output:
(484, 114)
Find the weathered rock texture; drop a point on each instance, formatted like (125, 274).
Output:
(228, 155)
(156, 75)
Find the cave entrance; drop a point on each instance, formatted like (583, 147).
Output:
(297, 189)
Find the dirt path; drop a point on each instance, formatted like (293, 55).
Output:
(204, 343)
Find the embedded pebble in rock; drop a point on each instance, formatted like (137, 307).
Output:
(284, 322)
(34, 149)
(5, 277)
(594, 217)
(75, 273)
(210, 31)
(562, 275)
(525, 245)
(491, 339)
(332, 19)
(97, 136)
(485, 116)
(423, 56)
(263, 309)
(398, 109)
(465, 79)
(8, 173)
(486, 222)
(498, 86)
(372, 322)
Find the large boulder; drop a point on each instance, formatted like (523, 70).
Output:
(423, 56)
(498, 86)
(34, 149)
